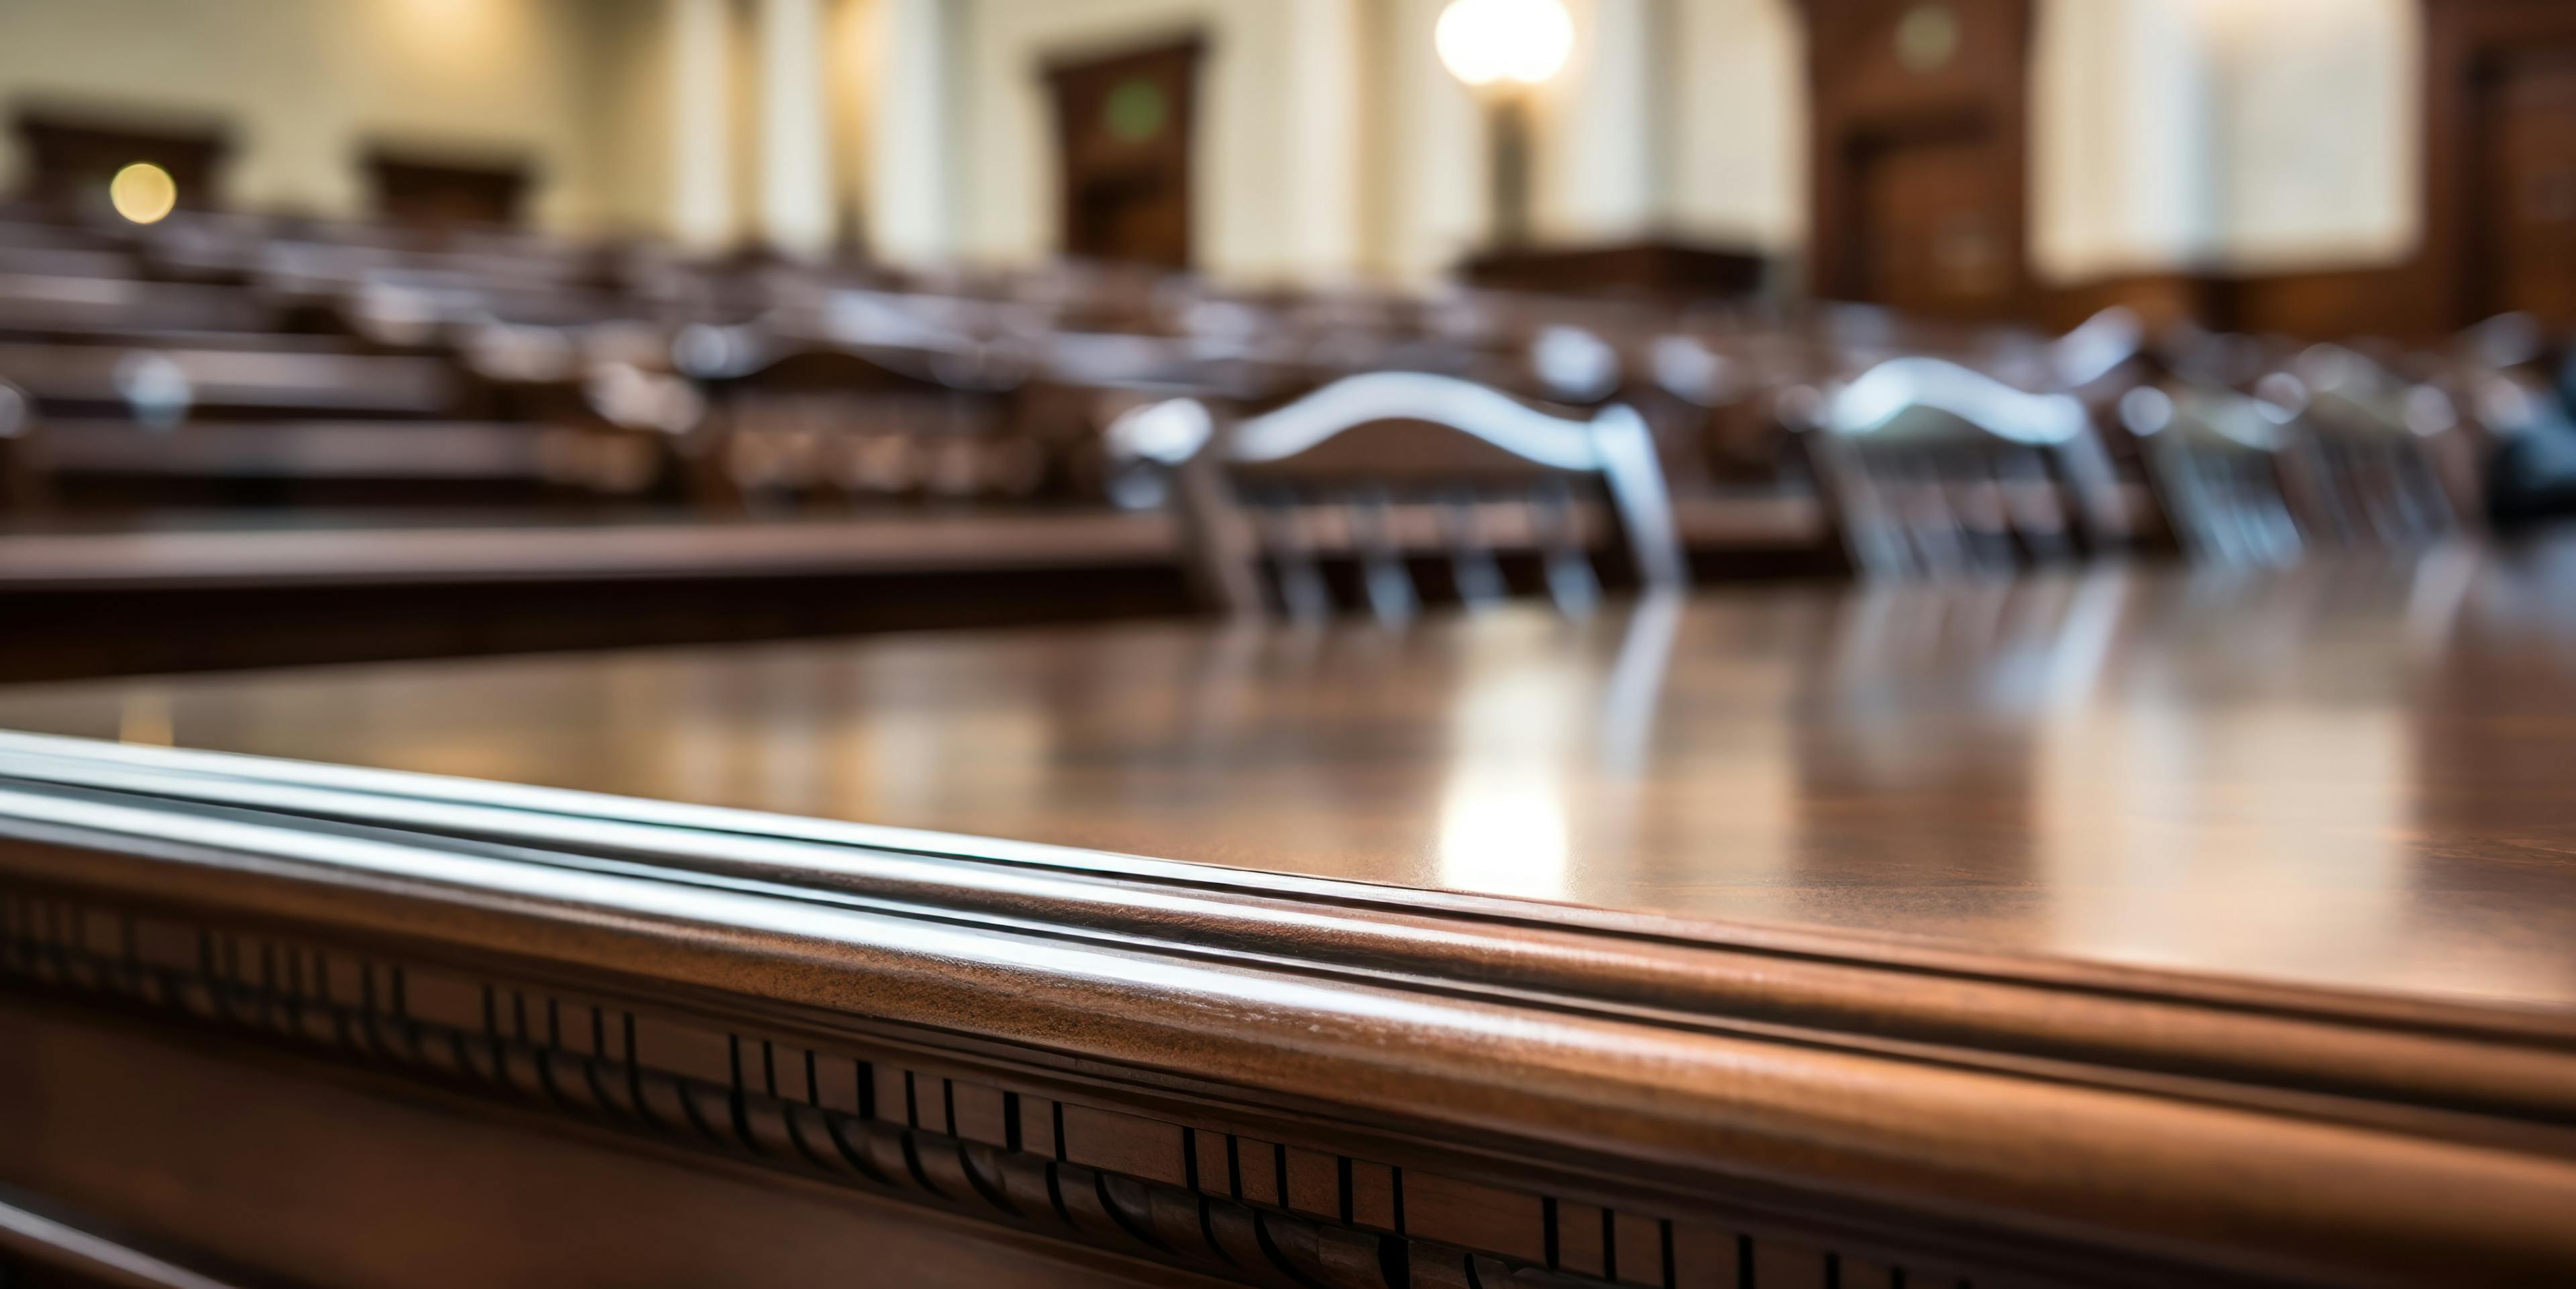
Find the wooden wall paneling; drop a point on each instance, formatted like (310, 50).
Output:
(2319, 304)
(884, 1124)
(413, 1185)
(1124, 125)
(1656, 268)
(2500, 185)
(1273, 1080)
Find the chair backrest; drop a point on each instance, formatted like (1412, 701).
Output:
(2231, 472)
(808, 419)
(2380, 444)
(1934, 469)
(1385, 469)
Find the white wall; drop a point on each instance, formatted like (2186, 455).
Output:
(2319, 105)
(1599, 166)
(2125, 140)
(916, 129)
(1433, 193)
(2224, 136)
(306, 84)
(1739, 127)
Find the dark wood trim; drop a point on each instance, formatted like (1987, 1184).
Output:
(437, 188)
(1661, 268)
(310, 1133)
(70, 150)
(2318, 304)
(581, 552)
(1424, 1081)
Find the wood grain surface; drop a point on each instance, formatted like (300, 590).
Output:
(2353, 774)
(2134, 927)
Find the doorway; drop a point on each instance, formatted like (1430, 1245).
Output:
(1123, 127)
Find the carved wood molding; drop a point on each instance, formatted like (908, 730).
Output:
(1289, 1080)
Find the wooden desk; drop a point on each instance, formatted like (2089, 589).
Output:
(2133, 927)
(187, 595)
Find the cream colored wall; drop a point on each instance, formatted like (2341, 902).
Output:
(1431, 195)
(1739, 123)
(2319, 106)
(1332, 144)
(2224, 136)
(854, 35)
(2127, 147)
(629, 104)
(1600, 133)
(2167, 133)
(917, 125)
(307, 84)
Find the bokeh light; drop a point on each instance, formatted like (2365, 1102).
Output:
(1524, 42)
(144, 193)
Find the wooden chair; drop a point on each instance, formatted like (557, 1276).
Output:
(795, 420)
(1935, 470)
(2393, 462)
(1379, 470)
(2231, 472)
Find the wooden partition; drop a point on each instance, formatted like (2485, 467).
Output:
(359, 1027)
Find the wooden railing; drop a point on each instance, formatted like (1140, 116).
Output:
(1252, 1078)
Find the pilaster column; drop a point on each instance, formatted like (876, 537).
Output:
(1601, 172)
(796, 215)
(914, 173)
(699, 42)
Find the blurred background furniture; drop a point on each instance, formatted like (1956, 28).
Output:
(1376, 472)
(702, 309)
(1938, 470)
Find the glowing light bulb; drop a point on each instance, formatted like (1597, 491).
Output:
(143, 192)
(1523, 42)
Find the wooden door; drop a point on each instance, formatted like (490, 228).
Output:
(1928, 237)
(1918, 111)
(2528, 188)
(1123, 131)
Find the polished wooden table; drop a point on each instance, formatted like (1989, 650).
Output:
(2129, 926)
(194, 591)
